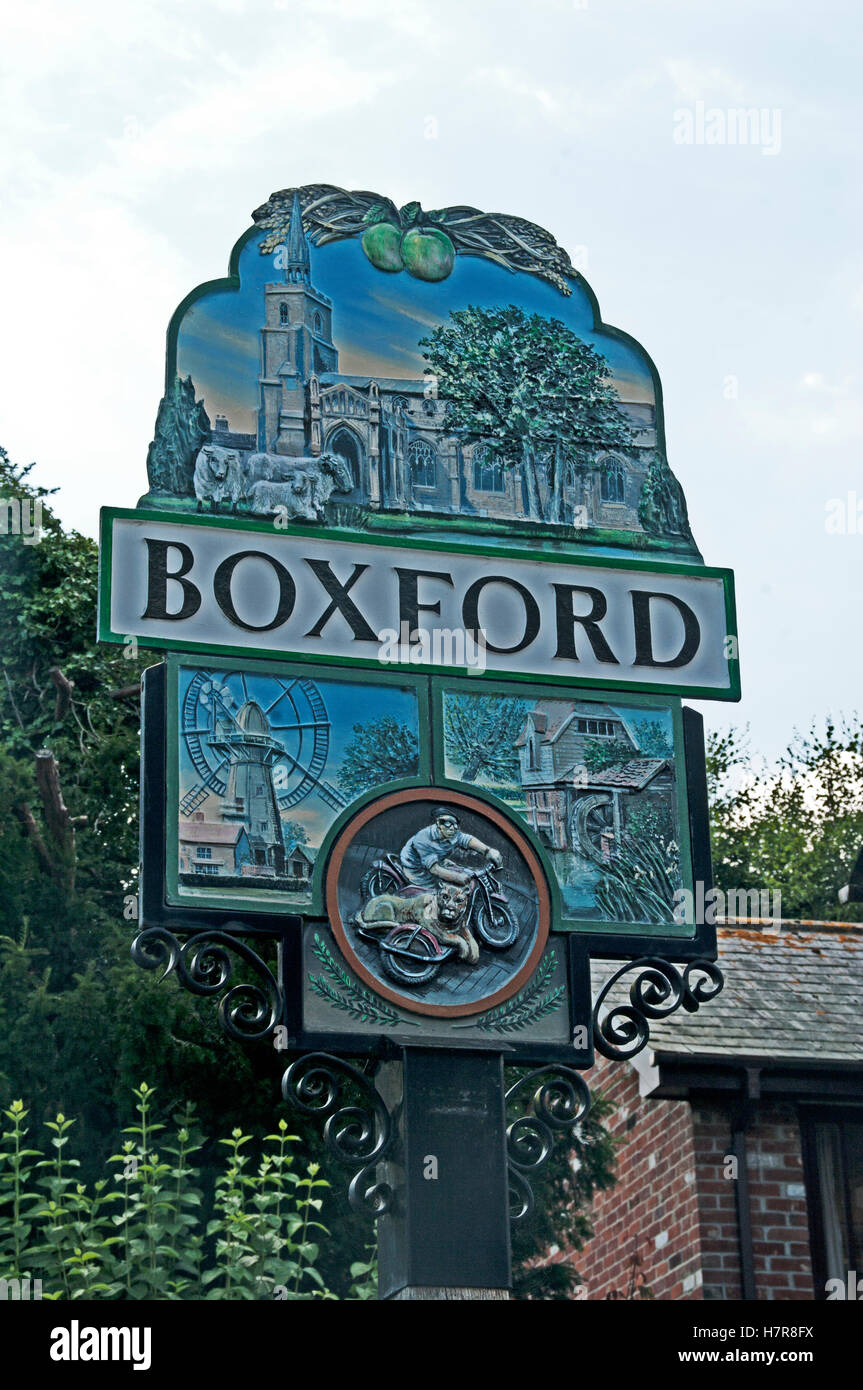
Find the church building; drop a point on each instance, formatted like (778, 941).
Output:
(391, 430)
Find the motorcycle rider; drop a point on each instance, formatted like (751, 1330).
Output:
(423, 857)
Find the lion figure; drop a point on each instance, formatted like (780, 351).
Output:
(442, 913)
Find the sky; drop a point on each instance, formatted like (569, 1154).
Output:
(136, 138)
(378, 321)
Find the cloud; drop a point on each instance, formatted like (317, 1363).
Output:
(816, 411)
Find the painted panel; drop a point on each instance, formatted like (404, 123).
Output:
(391, 367)
(262, 763)
(599, 782)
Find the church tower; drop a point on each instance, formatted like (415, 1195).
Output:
(296, 345)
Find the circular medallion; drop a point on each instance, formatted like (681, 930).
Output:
(437, 901)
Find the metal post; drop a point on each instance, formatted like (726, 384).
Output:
(447, 1235)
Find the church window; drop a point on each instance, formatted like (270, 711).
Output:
(488, 474)
(611, 488)
(319, 323)
(283, 312)
(422, 464)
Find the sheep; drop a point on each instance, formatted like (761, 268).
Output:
(296, 487)
(294, 499)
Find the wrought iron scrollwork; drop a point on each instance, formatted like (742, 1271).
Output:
(248, 1010)
(354, 1133)
(557, 1099)
(659, 989)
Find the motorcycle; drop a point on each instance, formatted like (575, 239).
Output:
(412, 954)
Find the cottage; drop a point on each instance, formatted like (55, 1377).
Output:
(569, 805)
(211, 848)
(740, 1172)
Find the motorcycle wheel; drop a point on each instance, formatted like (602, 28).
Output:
(497, 928)
(377, 881)
(402, 968)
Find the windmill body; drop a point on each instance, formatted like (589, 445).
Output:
(250, 751)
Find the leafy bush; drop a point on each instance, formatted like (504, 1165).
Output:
(150, 1230)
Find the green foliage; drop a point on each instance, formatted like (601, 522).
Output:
(652, 820)
(639, 883)
(607, 752)
(662, 505)
(480, 735)
(653, 740)
(797, 828)
(150, 1230)
(182, 426)
(380, 751)
(295, 834)
(526, 1006)
(532, 390)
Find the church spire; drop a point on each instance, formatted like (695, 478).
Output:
(297, 267)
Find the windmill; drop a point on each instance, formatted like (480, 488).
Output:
(260, 751)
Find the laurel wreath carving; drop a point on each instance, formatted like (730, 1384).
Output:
(334, 214)
(347, 994)
(523, 1008)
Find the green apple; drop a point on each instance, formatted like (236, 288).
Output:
(428, 253)
(381, 245)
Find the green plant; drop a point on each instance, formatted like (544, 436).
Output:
(150, 1231)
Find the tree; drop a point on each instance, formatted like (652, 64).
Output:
(563, 1191)
(294, 833)
(182, 426)
(382, 751)
(603, 752)
(480, 735)
(532, 391)
(796, 829)
(80, 1022)
(653, 741)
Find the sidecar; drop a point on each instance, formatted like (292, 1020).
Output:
(409, 954)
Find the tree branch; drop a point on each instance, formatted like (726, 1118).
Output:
(57, 817)
(64, 688)
(31, 830)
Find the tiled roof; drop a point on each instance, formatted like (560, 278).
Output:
(209, 832)
(231, 439)
(633, 775)
(789, 994)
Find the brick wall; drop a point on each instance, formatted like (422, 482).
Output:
(780, 1225)
(670, 1222)
(647, 1225)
